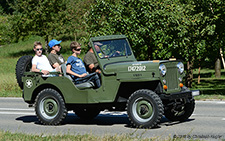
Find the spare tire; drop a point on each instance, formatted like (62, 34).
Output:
(23, 65)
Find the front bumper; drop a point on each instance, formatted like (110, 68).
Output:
(182, 94)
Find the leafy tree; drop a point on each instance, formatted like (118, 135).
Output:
(5, 6)
(157, 29)
(60, 19)
(77, 9)
(43, 17)
(5, 30)
(213, 20)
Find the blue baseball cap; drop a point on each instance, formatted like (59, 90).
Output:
(53, 42)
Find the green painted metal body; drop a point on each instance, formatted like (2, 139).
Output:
(115, 70)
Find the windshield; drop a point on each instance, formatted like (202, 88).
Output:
(112, 48)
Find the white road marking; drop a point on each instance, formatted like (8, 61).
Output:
(221, 102)
(11, 98)
(223, 118)
(15, 109)
(211, 102)
(16, 113)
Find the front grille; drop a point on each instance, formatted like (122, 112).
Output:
(171, 78)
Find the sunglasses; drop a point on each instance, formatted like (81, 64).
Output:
(58, 45)
(39, 49)
(79, 49)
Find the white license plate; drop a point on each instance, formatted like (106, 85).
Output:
(195, 93)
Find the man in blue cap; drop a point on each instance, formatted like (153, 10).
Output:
(54, 57)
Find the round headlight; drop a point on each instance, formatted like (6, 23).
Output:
(180, 67)
(162, 69)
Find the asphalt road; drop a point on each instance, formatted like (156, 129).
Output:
(207, 122)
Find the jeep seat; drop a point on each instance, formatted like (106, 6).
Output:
(81, 86)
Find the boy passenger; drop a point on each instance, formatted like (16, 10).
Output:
(75, 67)
(54, 57)
(40, 62)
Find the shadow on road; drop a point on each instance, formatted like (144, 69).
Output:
(101, 119)
(166, 122)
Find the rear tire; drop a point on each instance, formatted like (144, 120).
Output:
(50, 107)
(23, 65)
(144, 109)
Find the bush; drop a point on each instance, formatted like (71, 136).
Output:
(6, 34)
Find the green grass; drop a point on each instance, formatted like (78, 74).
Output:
(8, 136)
(210, 87)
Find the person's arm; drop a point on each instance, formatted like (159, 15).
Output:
(68, 70)
(34, 69)
(92, 67)
(55, 65)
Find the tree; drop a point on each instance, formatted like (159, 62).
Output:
(43, 17)
(5, 6)
(61, 19)
(214, 15)
(157, 29)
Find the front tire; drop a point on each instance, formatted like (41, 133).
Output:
(50, 107)
(144, 109)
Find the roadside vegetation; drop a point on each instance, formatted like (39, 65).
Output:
(87, 137)
(211, 88)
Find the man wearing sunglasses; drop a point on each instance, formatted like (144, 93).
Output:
(75, 67)
(40, 62)
(55, 58)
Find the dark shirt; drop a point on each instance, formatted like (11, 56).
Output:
(90, 58)
(56, 58)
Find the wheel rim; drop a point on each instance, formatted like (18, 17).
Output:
(142, 110)
(49, 108)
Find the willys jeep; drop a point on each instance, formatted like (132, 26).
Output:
(147, 90)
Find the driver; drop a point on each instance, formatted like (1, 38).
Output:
(90, 60)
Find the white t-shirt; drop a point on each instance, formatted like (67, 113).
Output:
(42, 63)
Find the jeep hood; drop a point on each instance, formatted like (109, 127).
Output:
(134, 70)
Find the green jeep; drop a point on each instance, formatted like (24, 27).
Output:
(147, 90)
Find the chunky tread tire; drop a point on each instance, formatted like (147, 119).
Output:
(185, 112)
(23, 64)
(50, 107)
(137, 104)
(87, 113)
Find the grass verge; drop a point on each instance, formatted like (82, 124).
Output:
(87, 137)
(210, 87)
